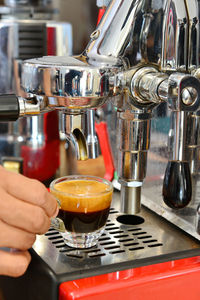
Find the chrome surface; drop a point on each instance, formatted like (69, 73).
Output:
(184, 218)
(130, 199)
(180, 136)
(193, 34)
(120, 247)
(32, 106)
(153, 32)
(92, 140)
(79, 130)
(175, 37)
(145, 53)
(74, 127)
(145, 83)
(133, 144)
(193, 142)
(67, 82)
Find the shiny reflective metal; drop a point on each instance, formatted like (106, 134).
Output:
(130, 199)
(66, 82)
(79, 131)
(133, 144)
(143, 53)
(193, 142)
(92, 140)
(122, 246)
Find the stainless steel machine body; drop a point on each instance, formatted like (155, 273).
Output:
(27, 29)
(144, 58)
(142, 54)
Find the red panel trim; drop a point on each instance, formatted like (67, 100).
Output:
(174, 280)
(102, 132)
(100, 14)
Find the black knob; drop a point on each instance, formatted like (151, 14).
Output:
(177, 184)
(9, 108)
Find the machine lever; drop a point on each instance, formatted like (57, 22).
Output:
(177, 184)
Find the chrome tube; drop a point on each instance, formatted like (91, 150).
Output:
(92, 140)
(74, 127)
(133, 144)
(180, 136)
(130, 199)
(193, 142)
(113, 33)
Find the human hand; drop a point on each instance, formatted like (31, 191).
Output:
(26, 208)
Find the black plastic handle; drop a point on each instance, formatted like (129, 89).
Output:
(9, 108)
(177, 184)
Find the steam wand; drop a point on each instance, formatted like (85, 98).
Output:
(183, 97)
(182, 93)
(177, 184)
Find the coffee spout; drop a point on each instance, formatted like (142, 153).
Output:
(80, 133)
(92, 140)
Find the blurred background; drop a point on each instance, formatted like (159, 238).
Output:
(82, 14)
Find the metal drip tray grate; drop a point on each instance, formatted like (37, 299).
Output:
(114, 241)
(147, 240)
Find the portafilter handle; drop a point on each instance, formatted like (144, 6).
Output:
(13, 107)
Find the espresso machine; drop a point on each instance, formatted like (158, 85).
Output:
(143, 57)
(28, 29)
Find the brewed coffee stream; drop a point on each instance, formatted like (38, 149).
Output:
(177, 185)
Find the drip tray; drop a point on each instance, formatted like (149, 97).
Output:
(128, 242)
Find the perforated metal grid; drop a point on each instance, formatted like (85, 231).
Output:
(115, 239)
(120, 247)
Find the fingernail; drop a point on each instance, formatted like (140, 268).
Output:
(56, 213)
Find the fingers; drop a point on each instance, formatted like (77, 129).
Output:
(14, 263)
(12, 237)
(28, 190)
(25, 210)
(23, 215)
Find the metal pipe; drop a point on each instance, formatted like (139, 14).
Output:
(130, 199)
(92, 140)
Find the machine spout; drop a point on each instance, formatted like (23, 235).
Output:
(79, 131)
(92, 140)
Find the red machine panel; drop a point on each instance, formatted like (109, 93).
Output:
(174, 280)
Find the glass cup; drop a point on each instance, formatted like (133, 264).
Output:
(84, 208)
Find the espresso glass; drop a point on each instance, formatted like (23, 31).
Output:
(84, 208)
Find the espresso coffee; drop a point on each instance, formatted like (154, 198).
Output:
(81, 222)
(84, 204)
